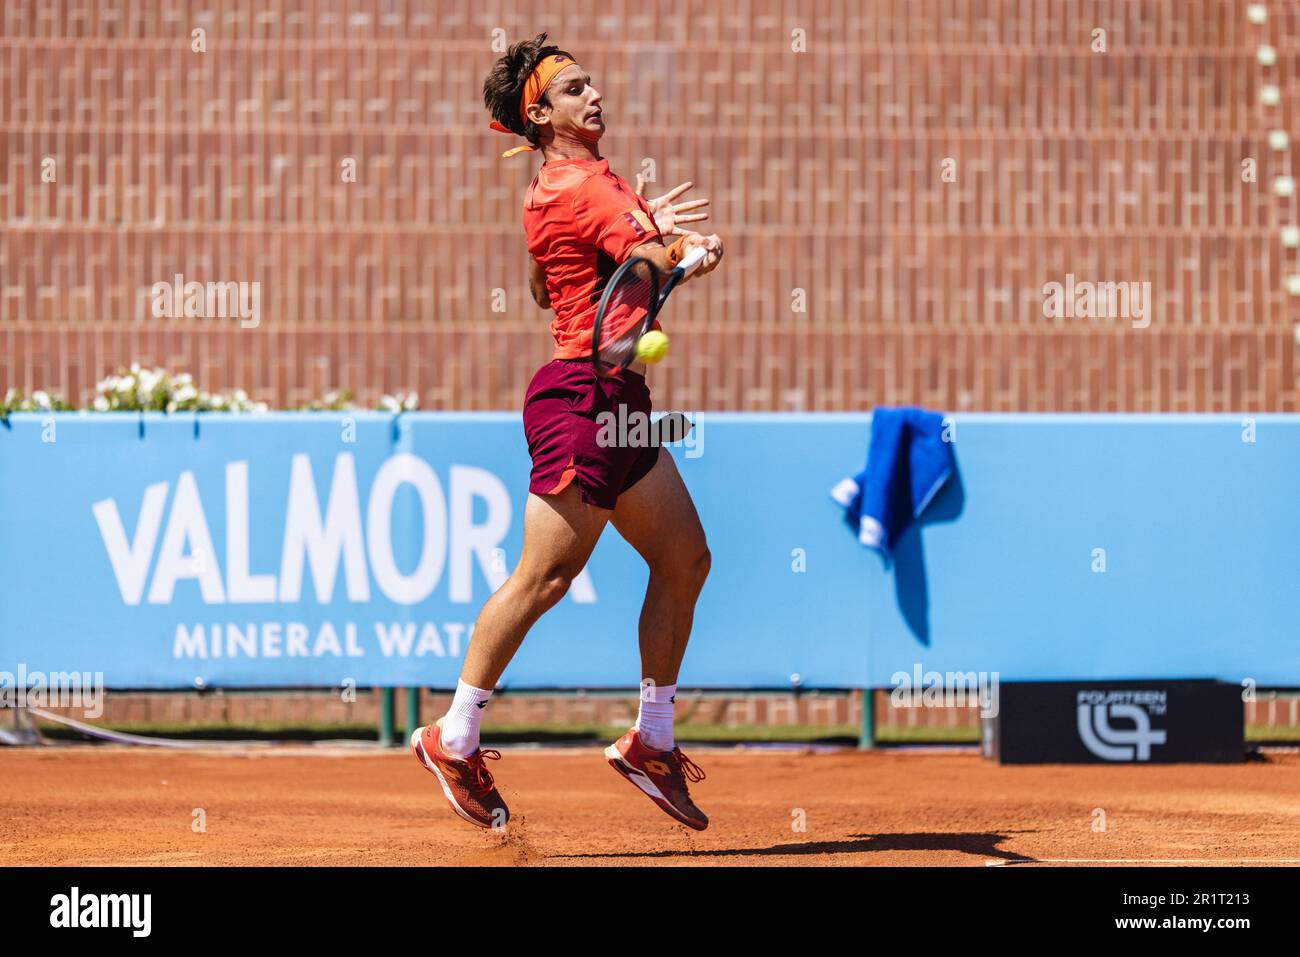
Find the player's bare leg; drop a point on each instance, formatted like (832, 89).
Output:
(658, 519)
(560, 532)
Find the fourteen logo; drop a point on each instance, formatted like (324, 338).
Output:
(1096, 709)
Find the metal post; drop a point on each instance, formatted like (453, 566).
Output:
(867, 736)
(386, 735)
(412, 710)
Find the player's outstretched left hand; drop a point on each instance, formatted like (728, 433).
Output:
(670, 216)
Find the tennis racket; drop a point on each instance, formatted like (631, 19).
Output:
(627, 309)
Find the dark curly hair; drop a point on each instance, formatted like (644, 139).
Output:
(504, 86)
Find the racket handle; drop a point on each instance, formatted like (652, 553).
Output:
(692, 259)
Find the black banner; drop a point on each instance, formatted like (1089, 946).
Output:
(1101, 722)
(208, 907)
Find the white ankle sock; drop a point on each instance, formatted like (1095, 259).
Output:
(461, 723)
(654, 718)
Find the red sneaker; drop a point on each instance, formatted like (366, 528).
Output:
(662, 775)
(466, 782)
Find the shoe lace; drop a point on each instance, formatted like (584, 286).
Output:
(690, 770)
(482, 776)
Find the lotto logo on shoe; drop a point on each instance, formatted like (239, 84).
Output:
(1097, 710)
(657, 767)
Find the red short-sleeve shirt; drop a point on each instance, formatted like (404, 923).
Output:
(581, 221)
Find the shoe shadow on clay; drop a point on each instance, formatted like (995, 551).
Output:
(983, 845)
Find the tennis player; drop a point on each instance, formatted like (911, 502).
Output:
(581, 221)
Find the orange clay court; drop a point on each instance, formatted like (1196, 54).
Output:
(92, 805)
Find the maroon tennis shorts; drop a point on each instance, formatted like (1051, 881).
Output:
(569, 437)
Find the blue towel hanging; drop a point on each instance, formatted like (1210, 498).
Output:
(908, 461)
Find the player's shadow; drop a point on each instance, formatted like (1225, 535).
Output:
(911, 586)
(982, 845)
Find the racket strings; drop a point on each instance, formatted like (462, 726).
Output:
(628, 306)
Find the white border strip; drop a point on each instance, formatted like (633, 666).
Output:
(1149, 860)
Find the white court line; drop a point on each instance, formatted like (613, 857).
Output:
(1148, 860)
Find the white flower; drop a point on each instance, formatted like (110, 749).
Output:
(41, 399)
(390, 404)
(11, 395)
(149, 381)
(101, 404)
(411, 402)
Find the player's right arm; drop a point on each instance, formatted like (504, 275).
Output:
(618, 225)
(537, 284)
(664, 257)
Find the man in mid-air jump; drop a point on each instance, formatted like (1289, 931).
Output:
(581, 221)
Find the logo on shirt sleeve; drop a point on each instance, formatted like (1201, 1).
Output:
(639, 221)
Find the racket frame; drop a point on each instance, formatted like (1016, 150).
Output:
(662, 287)
(602, 367)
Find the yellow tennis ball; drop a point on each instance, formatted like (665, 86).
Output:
(652, 347)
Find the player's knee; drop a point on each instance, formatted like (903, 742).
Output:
(692, 572)
(701, 566)
(551, 585)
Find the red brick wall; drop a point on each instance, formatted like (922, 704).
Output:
(824, 168)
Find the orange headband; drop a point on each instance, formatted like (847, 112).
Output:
(534, 87)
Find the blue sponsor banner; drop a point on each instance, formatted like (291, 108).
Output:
(295, 549)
